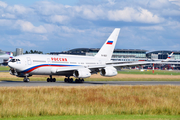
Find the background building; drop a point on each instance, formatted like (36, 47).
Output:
(5, 52)
(163, 54)
(118, 54)
(131, 55)
(19, 51)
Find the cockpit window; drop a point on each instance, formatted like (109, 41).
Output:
(14, 60)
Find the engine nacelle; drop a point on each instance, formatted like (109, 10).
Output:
(82, 73)
(108, 71)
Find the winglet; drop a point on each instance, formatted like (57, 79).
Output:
(107, 49)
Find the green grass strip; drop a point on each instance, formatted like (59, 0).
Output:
(4, 68)
(149, 72)
(101, 117)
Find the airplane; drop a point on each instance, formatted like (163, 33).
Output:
(171, 60)
(168, 59)
(5, 57)
(70, 65)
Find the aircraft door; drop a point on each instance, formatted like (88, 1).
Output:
(100, 62)
(28, 60)
(48, 61)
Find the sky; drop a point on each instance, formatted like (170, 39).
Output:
(61, 25)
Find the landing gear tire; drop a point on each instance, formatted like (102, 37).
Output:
(68, 80)
(71, 80)
(79, 80)
(51, 79)
(54, 80)
(26, 80)
(65, 80)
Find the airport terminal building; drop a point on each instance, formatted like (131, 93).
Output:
(163, 54)
(118, 54)
(130, 55)
(5, 52)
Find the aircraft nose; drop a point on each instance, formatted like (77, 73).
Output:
(9, 64)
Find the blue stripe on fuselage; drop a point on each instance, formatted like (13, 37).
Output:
(46, 65)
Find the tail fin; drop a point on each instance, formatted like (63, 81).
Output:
(169, 57)
(11, 56)
(107, 49)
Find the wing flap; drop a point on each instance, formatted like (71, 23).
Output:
(63, 69)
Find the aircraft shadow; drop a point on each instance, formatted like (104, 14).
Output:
(10, 81)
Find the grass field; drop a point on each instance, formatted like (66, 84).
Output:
(97, 100)
(101, 117)
(149, 72)
(102, 102)
(4, 68)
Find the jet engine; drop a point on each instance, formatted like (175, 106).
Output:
(108, 71)
(82, 73)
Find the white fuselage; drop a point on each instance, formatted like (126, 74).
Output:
(36, 64)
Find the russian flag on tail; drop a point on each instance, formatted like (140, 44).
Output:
(109, 42)
(169, 57)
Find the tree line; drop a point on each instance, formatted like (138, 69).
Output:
(33, 52)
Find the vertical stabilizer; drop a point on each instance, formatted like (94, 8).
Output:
(10, 57)
(107, 49)
(169, 57)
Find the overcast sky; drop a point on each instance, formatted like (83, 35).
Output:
(60, 25)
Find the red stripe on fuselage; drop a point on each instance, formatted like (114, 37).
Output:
(44, 66)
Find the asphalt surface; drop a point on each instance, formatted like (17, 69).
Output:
(86, 83)
(4, 71)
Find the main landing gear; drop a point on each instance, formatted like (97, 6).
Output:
(51, 79)
(79, 80)
(70, 80)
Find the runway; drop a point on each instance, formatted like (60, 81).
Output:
(86, 83)
(4, 71)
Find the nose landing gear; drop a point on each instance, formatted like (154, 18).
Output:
(51, 79)
(26, 79)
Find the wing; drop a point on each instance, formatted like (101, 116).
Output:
(133, 64)
(65, 69)
(95, 69)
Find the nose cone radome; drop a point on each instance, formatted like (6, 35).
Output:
(9, 64)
